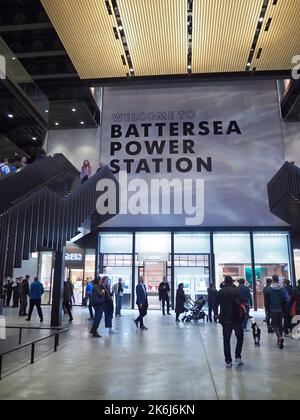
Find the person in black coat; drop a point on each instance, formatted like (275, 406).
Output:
(180, 301)
(229, 300)
(164, 290)
(68, 291)
(24, 292)
(211, 296)
(8, 287)
(16, 293)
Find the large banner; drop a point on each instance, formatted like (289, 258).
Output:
(193, 155)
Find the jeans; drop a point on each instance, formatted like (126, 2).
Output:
(108, 319)
(165, 300)
(277, 319)
(37, 303)
(228, 328)
(68, 309)
(245, 322)
(119, 301)
(268, 318)
(97, 319)
(90, 306)
(287, 322)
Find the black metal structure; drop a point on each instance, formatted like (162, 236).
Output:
(44, 220)
(290, 104)
(284, 194)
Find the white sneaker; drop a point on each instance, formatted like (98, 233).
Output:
(239, 362)
(112, 331)
(228, 365)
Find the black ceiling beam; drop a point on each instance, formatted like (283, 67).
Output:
(26, 27)
(41, 54)
(66, 80)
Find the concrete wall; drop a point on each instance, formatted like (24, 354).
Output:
(76, 145)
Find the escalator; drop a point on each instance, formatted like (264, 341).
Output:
(42, 208)
(56, 173)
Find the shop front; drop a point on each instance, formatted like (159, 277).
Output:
(196, 259)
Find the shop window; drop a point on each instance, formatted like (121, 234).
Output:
(233, 257)
(45, 275)
(271, 258)
(192, 243)
(297, 263)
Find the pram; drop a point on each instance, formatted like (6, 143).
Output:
(194, 310)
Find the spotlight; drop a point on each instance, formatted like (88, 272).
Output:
(57, 124)
(47, 111)
(189, 67)
(74, 110)
(34, 138)
(10, 116)
(121, 28)
(131, 70)
(261, 19)
(248, 64)
(82, 122)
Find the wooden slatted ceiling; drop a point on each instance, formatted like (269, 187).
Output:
(282, 41)
(223, 34)
(156, 33)
(86, 30)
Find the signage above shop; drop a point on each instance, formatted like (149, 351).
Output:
(153, 257)
(74, 257)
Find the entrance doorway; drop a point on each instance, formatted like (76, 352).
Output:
(153, 273)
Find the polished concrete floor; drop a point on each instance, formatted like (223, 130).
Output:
(168, 362)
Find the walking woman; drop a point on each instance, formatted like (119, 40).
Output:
(109, 306)
(98, 301)
(180, 301)
(86, 171)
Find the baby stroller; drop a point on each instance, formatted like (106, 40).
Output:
(194, 310)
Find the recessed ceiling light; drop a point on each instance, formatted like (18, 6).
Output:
(57, 123)
(261, 19)
(121, 28)
(14, 58)
(190, 67)
(248, 64)
(82, 122)
(74, 110)
(131, 70)
(46, 110)
(34, 138)
(10, 116)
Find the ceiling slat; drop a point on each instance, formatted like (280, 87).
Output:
(223, 34)
(156, 33)
(282, 41)
(86, 30)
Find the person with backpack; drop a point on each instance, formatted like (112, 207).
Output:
(276, 304)
(229, 300)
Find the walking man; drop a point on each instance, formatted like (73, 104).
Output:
(229, 301)
(24, 292)
(276, 303)
(142, 303)
(67, 299)
(36, 292)
(211, 296)
(246, 294)
(164, 298)
(88, 296)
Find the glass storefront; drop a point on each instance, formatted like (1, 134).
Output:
(116, 261)
(271, 258)
(233, 257)
(193, 263)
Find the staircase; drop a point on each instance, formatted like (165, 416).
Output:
(284, 194)
(44, 219)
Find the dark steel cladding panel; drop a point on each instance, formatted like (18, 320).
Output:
(12, 240)
(41, 220)
(20, 236)
(4, 230)
(35, 221)
(28, 228)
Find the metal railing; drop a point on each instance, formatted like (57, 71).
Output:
(32, 344)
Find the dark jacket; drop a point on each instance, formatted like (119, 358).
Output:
(98, 296)
(211, 295)
(229, 300)
(163, 290)
(296, 298)
(245, 292)
(276, 299)
(265, 292)
(68, 292)
(24, 288)
(180, 301)
(141, 295)
(109, 301)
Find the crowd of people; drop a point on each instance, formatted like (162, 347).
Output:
(10, 166)
(230, 306)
